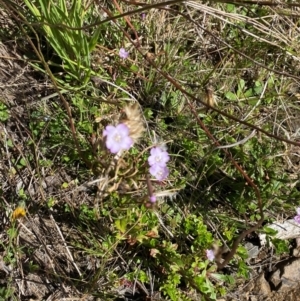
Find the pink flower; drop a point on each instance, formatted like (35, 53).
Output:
(152, 198)
(159, 172)
(123, 53)
(210, 255)
(117, 138)
(297, 219)
(158, 157)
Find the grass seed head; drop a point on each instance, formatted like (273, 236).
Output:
(132, 117)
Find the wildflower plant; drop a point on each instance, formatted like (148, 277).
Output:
(140, 226)
(158, 163)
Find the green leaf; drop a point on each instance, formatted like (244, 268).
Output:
(148, 113)
(64, 185)
(281, 246)
(231, 96)
(23, 162)
(121, 224)
(93, 41)
(230, 8)
(258, 90)
(248, 93)
(4, 112)
(241, 85)
(134, 68)
(269, 231)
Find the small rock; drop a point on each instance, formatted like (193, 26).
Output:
(296, 252)
(287, 230)
(275, 279)
(252, 250)
(262, 286)
(286, 277)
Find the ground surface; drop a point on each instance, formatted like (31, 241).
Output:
(46, 235)
(51, 255)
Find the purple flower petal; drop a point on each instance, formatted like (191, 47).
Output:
(298, 211)
(159, 172)
(108, 130)
(123, 128)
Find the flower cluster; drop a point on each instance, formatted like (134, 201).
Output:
(121, 137)
(158, 163)
(297, 217)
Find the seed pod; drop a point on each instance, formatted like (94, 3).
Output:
(132, 117)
